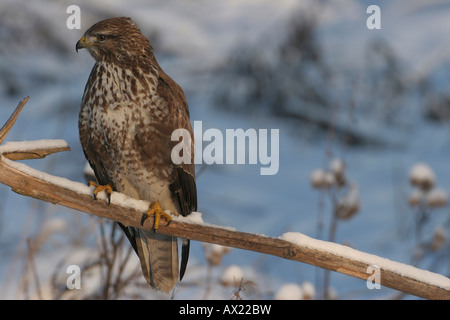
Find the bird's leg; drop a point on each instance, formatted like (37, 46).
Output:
(99, 188)
(155, 209)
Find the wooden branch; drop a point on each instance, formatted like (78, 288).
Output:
(293, 246)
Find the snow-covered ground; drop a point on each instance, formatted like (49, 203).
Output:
(191, 38)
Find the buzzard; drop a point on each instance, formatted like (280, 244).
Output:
(129, 109)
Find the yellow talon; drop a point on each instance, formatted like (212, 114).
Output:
(99, 188)
(155, 210)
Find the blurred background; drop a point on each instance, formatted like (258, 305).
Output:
(364, 140)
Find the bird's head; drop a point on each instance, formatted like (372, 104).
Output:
(115, 38)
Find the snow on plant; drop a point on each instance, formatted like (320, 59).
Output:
(426, 197)
(343, 195)
(348, 205)
(422, 176)
(309, 291)
(436, 198)
(294, 291)
(232, 276)
(289, 291)
(214, 253)
(439, 237)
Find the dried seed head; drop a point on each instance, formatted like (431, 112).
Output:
(309, 291)
(289, 291)
(415, 197)
(349, 205)
(338, 167)
(214, 253)
(439, 237)
(437, 198)
(422, 176)
(322, 179)
(232, 276)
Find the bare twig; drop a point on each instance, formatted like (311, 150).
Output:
(12, 119)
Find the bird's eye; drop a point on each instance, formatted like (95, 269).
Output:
(101, 37)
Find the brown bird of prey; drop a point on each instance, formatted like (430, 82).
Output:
(129, 109)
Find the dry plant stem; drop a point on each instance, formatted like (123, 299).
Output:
(33, 187)
(32, 266)
(331, 237)
(12, 119)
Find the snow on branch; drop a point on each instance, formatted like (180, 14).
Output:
(293, 246)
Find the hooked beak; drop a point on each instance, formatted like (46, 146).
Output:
(81, 44)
